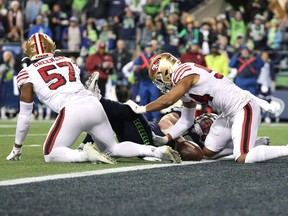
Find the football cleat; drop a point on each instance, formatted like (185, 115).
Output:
(15, 154)
(168, 154)
(94, 155)
(92, 84)
(262, 141)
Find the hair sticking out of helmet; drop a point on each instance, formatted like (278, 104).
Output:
(161, 70)
(40, 46)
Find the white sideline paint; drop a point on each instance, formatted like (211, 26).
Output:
(96, 172)
(13, 135)
(33, 145)
(7, 126)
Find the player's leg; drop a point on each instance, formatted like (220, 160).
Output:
(228, 150)
(59, 139)
(218, 139)
(245, 151)
(107, 144)
(136, 126)
(103, 136)
(244, 130)
(69, 124)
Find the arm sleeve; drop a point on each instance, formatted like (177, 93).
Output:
(23, 122)
(127, 69)
(233, 61)
(185, 121)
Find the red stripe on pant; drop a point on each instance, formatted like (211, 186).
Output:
(54, 132)
(246, 129)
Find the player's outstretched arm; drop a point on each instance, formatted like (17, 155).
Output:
(173, 95)
(23, 122)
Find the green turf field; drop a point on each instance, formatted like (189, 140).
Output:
(32, 163)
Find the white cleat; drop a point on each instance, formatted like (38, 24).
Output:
(92, 84)
(15, 154)
(168, 154)
(262, 141)
(94, 155)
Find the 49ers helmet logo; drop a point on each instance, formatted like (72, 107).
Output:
(155, 66)
(39, 46)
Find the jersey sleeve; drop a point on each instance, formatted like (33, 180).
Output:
(182, 71)
(22, 77)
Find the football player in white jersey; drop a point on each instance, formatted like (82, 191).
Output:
(56, 82)
(240, 111)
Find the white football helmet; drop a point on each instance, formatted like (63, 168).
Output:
(161, 70)
(40, 46)
(202, 125)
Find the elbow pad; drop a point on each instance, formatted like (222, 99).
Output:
(185, 121)
(23, 122)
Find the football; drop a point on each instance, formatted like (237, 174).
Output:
(189, 151)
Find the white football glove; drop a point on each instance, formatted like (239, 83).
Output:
(159, 140)
(135, 107)
(15, 154)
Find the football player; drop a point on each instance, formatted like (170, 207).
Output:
(129, 126)
(56, 82)
(238, 122)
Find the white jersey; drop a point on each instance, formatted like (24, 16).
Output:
(212, 88)
(56, 80)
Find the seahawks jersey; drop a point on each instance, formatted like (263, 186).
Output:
(127, 125)
(55, 81)
(212, 88)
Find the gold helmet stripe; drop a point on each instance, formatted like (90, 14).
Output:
(38, 43)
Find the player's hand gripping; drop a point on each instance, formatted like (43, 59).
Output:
(15, 154)
(135, 107)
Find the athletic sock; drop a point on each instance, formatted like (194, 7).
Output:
(130, 149)
(64, 154)
(263, 153)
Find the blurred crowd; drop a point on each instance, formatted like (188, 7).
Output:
(117, 38)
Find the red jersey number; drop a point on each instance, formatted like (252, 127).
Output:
(60, 80)
(201, 99)
(205, 98)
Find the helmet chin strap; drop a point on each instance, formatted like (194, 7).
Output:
(23, 59)
(162, 86)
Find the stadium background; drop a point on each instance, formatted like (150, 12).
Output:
(219, 188)
(104, 13)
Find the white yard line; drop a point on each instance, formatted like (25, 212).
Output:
(7, 126)
(13, 135)
(96, 172)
